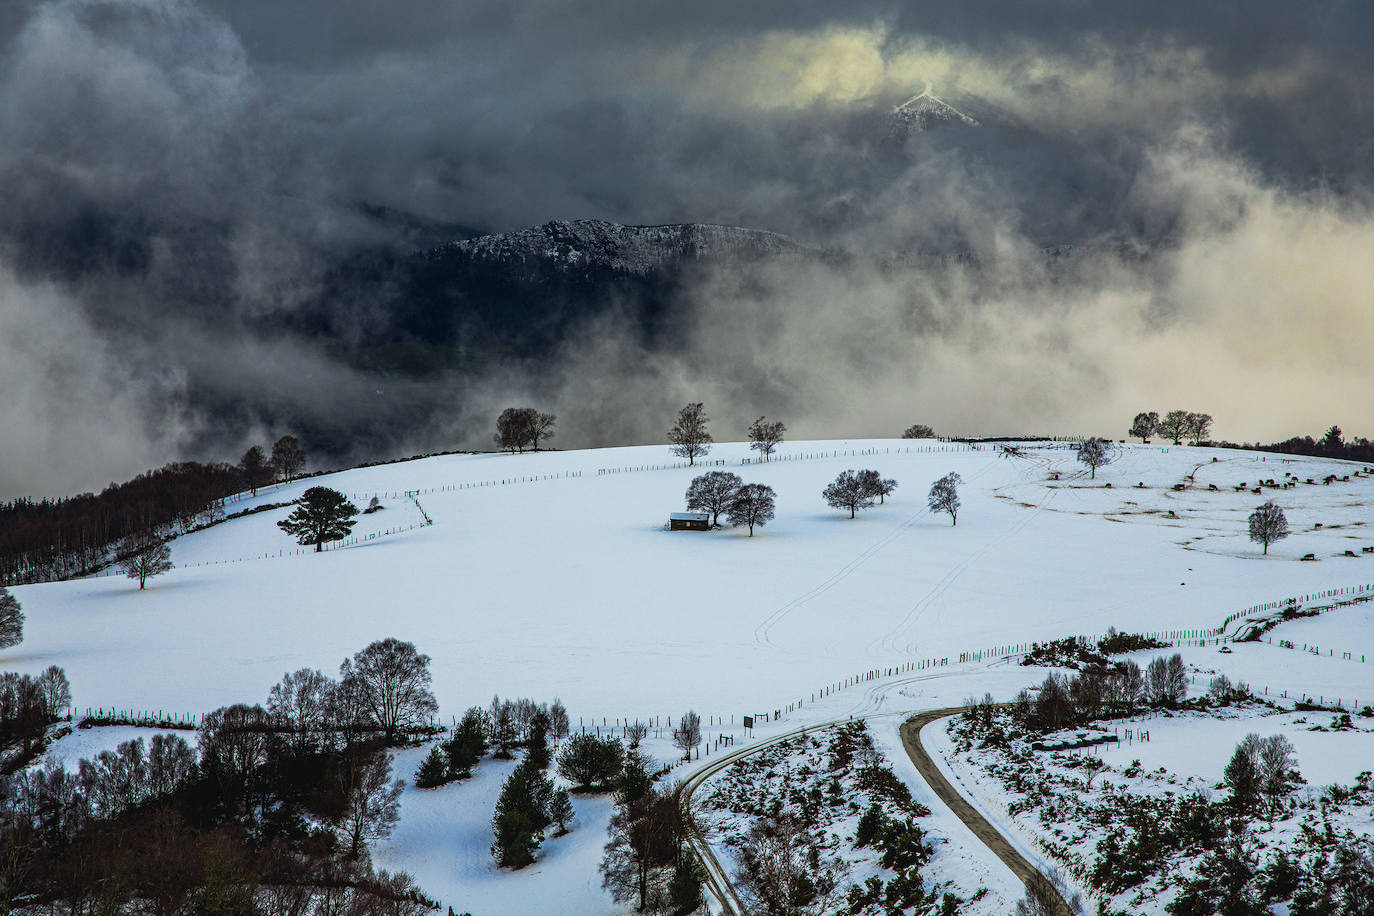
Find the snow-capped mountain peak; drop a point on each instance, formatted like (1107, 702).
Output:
(926, 111)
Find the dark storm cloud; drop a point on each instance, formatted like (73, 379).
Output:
(174, 174)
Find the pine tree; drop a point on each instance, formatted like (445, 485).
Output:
(561, 810)
(635, 782)
(538, 745)
(321, 515)
(434, 771)
(503, 733)
(459, 757)
(523, 812)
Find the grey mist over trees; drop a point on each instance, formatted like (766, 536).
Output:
(11, 620)
(689, 436)
(713, 492)
(321, 515)
(521, 428)
(944, 496)
(142, 556)
(1268, 524)
(764, 436)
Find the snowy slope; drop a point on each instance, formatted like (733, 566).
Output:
(568, 585)
(551, 575)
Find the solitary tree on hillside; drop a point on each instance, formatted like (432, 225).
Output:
(944, 496)
(1145, 425)
(321, 515)
(1268, 524)
(765, 436)
(687, 735)
(753, 505)
(254, 468)
(1094, 452)
(288, 458)
(877, 485)
(11, 620)
(1199, 426)
(713, 492)
(393, 681)
(918, 431)
(848, 491)
(1174, 425)
(688, 435)
(143, 556)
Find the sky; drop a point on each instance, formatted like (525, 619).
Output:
(179, 177)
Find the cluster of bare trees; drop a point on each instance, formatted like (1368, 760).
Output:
(163, 822)
(1261, 770)
(1176, 425)
(28, 705)
(855, 490)
(723, 493)
(690, 438)
(647, 860)
(918, 431)
(1099, 691)
(285, 463)
(521, 428)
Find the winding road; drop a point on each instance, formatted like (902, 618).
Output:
(718, 879)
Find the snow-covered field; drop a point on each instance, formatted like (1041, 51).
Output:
(547, 575)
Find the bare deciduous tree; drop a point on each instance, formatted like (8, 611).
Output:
(944, 496)
(689, 436)
(1174, 425)
(765, 436)
(753, 505)
(849, 491)
(288, 458)
(372, 801)
(780, 870)
(1144, 425)
(687, 735)
(143, 556)
(918, 431)
(1268, 524)
(877, 485)
(519, 428)
(301, 702)
(394, 685)
(1198, 426)
(1095, 453)
(713, 492)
